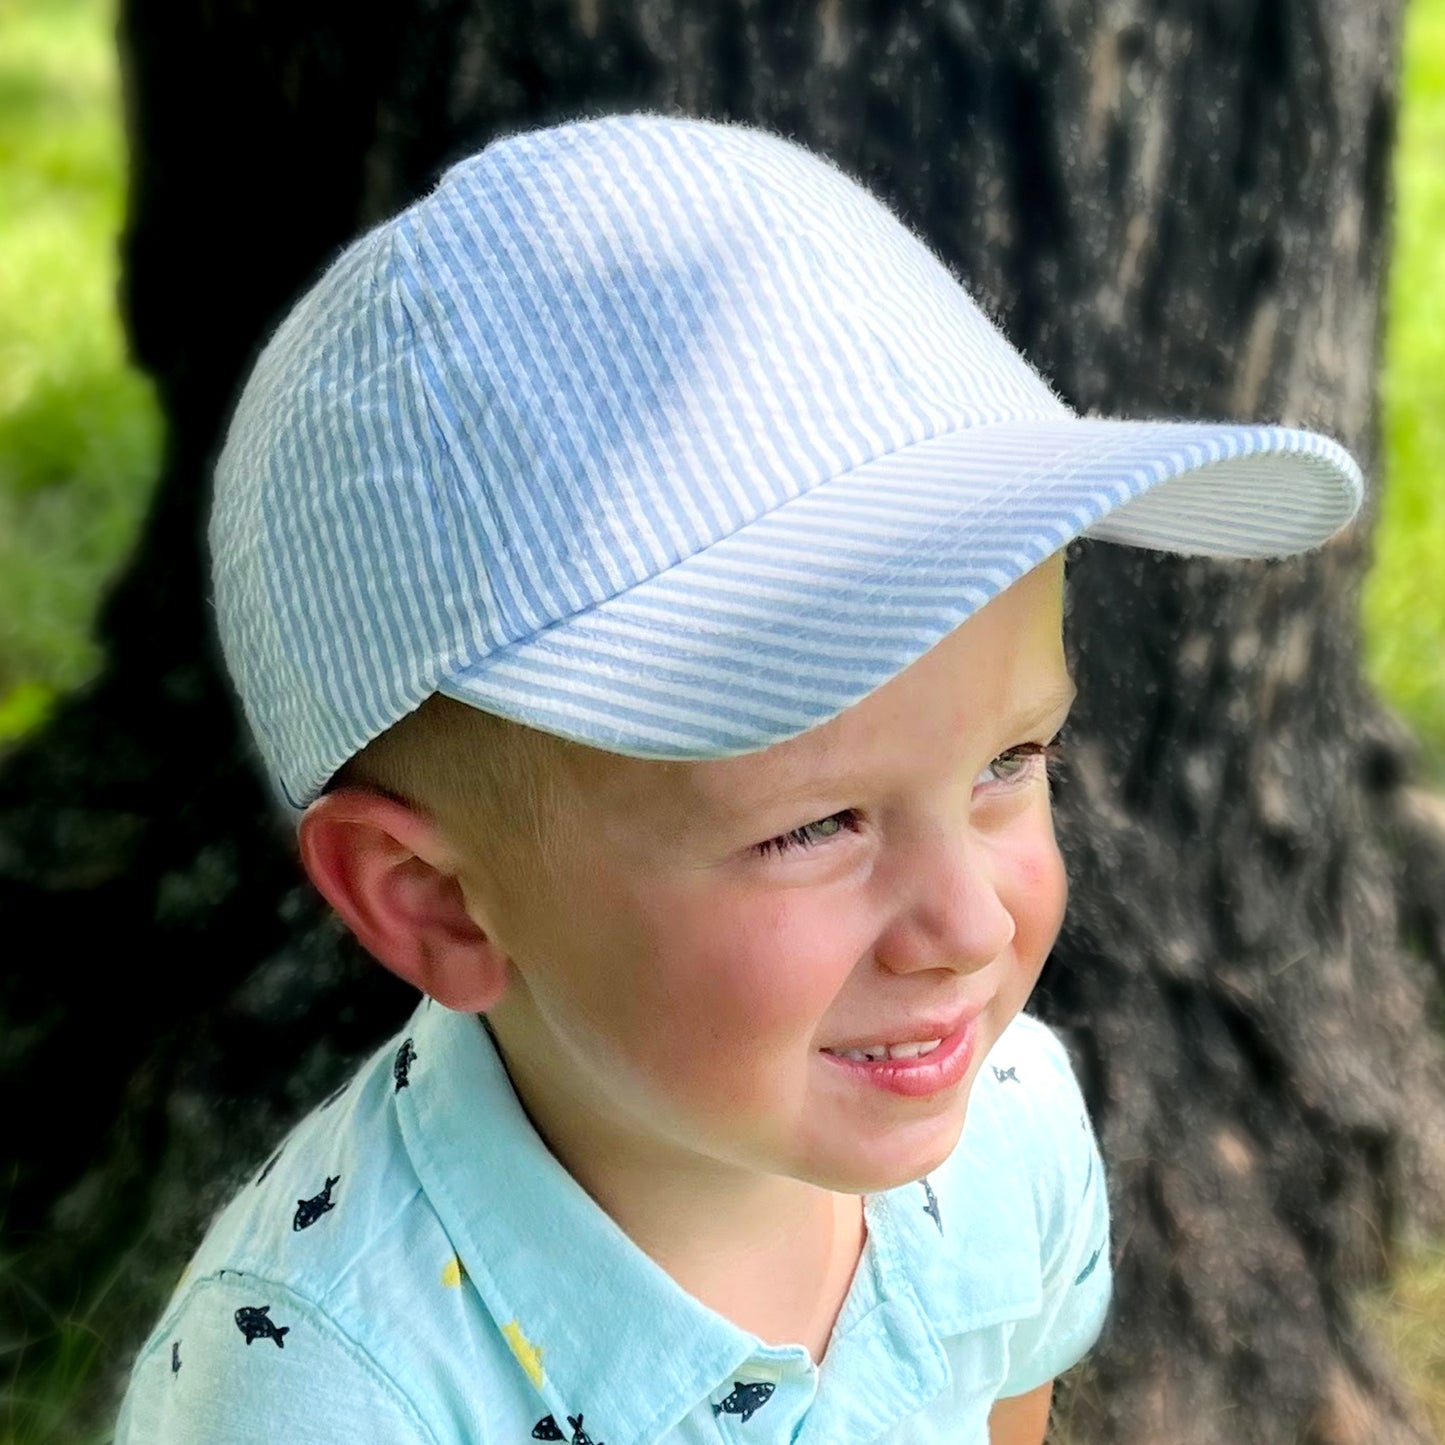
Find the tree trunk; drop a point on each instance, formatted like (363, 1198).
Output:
(1174, 210)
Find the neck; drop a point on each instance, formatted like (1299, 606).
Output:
(773, 1254)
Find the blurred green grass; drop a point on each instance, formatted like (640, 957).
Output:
(80, 435)
(1404, 601)
(1409, 1316)
(80, 443)
(43, 1412)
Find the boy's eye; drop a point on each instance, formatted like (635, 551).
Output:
(810, 834)
(1018, 764)
(1011, 768)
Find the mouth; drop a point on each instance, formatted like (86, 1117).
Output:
(914, 1067)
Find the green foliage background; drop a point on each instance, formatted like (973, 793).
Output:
(1404, 605)
(80, 436)
(80, 445)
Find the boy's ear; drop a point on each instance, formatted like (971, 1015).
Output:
(393, 878)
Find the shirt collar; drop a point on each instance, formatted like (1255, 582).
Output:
(498, 1191)
(967, 1238)
(952, 1254)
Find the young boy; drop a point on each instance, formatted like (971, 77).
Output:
(640, 564)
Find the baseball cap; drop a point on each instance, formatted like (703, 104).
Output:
(667, 437)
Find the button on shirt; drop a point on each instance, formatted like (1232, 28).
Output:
(414, 1265)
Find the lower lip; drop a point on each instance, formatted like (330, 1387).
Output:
(920, 1077)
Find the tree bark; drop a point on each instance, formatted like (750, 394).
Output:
(1174, 210)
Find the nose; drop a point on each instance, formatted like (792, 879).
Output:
(951, 914)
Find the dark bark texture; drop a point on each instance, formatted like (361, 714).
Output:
(1174, 209)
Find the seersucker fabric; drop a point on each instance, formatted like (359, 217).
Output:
(667, 437)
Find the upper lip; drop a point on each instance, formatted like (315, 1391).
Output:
(915, 1032)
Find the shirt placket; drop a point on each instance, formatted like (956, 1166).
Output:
(765, 1400)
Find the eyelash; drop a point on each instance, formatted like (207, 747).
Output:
(1036, 755)
(1033, 755)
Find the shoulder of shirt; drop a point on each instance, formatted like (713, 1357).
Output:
(1029, 1067)
(326, 1375)
(1027, 1114)
(324, 1205)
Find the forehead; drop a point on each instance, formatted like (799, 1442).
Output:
(996, 681)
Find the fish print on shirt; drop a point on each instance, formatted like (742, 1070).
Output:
(1088, 1269)
(255, 1323)
(175, 1357)
(547, 1429)
(308, 1211)
(930, 1207)
(745, 1400)
(1005, 1076)
(401, 1069)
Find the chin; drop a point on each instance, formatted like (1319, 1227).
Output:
(892, 1162)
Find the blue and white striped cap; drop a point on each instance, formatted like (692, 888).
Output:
(666, 437)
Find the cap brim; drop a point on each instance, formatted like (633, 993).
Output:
(808, 609)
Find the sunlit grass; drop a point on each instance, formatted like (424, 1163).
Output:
(79, 431)
(1404, 596)
(44, 1411)
(56, 1355)
(1409, 1317)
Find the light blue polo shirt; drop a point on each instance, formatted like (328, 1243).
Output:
(414, 1265)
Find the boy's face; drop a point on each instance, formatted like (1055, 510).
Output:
(716, 936)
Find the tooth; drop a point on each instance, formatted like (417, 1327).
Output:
(876, 1053)
(913, 1050)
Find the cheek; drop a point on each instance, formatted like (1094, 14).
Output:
(752, 973)
(1039, 890)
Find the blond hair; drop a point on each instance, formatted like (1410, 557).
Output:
(493, 786)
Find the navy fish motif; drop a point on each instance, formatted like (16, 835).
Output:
(546, 1429)
(579, 1435)
(401, 1069)
(175, 1357)
(270, 1164)
(255, 1323)
(1004, 1076)
(1088, 1269)
(745, 1400)
(308, 1211)
(930, 1207)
